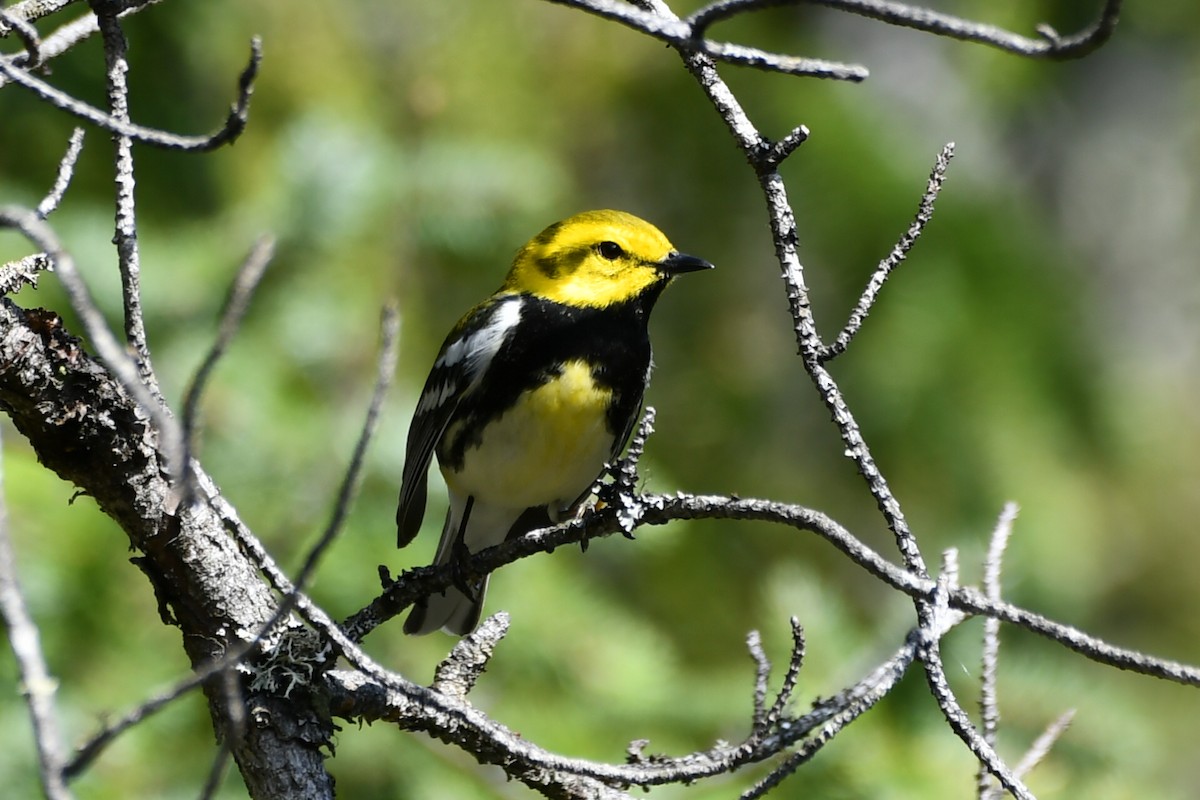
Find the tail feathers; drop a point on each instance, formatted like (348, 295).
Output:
(452, 611)
(480, 526)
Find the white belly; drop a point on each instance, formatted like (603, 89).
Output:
(545, 451)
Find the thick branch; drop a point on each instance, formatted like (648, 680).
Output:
(86, 428)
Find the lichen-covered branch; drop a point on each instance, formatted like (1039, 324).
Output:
(86, 428)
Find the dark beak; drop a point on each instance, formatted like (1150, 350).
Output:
(679, 263)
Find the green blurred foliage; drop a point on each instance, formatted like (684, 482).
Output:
(1040, 345)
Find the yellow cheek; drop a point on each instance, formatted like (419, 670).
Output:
(546, 450)
(595, 285)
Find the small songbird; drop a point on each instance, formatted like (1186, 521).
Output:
(534, 391)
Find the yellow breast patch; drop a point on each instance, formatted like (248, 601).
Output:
(546, 450)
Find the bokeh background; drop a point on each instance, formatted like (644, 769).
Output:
(1042, 345)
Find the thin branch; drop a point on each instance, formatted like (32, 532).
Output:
(385, 370)
(28, 36)
(66, 36)
(62, 180)
(371, 693)
(989, 707)
(762, 672)
(1043, 744)
(625, 472)
(661, 509)
(246, 280)
(786, 237)
(90, 750)
(971, 601)
(924, 214)
(775, 153)
(670, 29)
(688, 35)
(31, 10)
(25, 271)
(621, 492)
(657, 509)
(1033, 756)
(791, 676)
(1049, 45)
(216, 773)
(941, 617)
(235, 123)
(37, 684)
(125, 235)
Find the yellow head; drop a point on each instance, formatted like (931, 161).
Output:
(597, 258)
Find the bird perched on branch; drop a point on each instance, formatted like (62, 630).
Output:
(533, 391)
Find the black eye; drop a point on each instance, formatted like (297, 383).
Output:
(610, 250)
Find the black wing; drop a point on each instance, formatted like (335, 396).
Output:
(457, 372)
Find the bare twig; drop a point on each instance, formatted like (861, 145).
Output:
(894, 258)
(989, 708)
(679, 34)
(791, 676)
(657, 510)
(1049, 45)
(1042, 745)
(625, 472)
(840, 710)
(93, 747)
(125, 235)
(28, 36)
(371, 693)
(248, 276)
(64, 37)
(216, 772)
(762, 672)
(31, 10)
(764, 160)
(929, 652)
(1095, 649)
(66, 171)
(621, 493)
(385, 369)
(661, 509)
(775, 153)
(1033, 756)
(37, 684)
(235, 123)
(688, 35)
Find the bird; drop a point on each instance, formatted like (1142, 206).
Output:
(533, 392)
